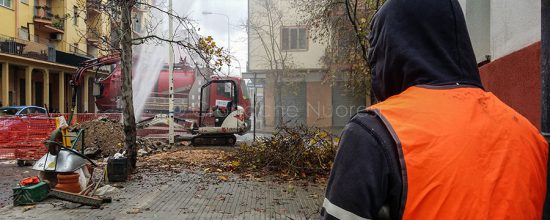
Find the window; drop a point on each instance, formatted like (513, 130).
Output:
(5, 3)
(137, 22)
(75, 15)
(75, 48)
(24, 33)
(244, 90)
(37, 110)
(25, 2)
(294, 38)
(8, 111)
(224, 89)
(25, 112)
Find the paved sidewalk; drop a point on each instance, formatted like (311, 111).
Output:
(10, 175)
(189, 195)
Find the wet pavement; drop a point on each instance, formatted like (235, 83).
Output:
(10, 175)
(183, 194)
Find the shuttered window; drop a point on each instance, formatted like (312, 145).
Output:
(294, 38)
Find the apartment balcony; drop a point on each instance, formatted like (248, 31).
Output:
(25, 48)
(140, 6)
(40, 50)
(45, 21)
(43, 14)
(93, 7)
(92, 37)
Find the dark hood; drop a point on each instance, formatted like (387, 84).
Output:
(420, 42)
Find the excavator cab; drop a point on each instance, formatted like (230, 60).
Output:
(223, 117)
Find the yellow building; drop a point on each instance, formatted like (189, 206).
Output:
(41, 44)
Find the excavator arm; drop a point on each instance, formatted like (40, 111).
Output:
(76, 80)
(163, 119)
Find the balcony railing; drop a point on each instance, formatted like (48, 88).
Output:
(141, 5)
(91, 36)
(43, 12)
(26, 48)
(93, 6)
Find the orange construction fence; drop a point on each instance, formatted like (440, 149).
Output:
(22, 138)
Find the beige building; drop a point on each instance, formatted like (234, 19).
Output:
(280, 46)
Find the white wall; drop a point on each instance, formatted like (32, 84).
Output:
(478, 19)
(257, 55)
(512, 25)
(497, 28)
(515, 24)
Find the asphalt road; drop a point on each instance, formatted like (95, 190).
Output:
(10, 175)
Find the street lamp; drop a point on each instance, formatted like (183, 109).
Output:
(238, 62)
(228, 34)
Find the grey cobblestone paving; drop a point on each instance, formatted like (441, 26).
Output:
(189, 195)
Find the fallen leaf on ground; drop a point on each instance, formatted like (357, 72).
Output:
(223, 178)
(27, 208)
(134, 211)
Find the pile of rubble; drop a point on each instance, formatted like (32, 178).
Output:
(104, 138)
(148, 146)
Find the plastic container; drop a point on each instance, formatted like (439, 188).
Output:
(117, 169)
(68, 182)
(28, 195)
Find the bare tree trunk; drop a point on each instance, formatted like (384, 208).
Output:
(279, 108)
(127, 98)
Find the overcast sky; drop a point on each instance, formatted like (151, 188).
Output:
(216, 25)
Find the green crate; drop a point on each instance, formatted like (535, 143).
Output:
(28, 195)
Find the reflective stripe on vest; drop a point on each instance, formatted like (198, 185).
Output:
(465, 155)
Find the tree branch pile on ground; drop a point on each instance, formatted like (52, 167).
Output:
(294, 152)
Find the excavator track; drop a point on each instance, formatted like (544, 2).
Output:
(214, 140)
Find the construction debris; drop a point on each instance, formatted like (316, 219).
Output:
(142, 152)
(77, 198)
(290, 153)
(104, 138)
(106, 190)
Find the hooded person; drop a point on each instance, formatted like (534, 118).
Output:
(438, 146)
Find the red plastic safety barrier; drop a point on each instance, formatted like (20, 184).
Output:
(22, 138)
(82, 117)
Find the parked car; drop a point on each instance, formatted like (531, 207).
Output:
(21, 110)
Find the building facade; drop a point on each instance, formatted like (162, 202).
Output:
(505, 35)
(506, 38)
(42, 42)
(285, 62)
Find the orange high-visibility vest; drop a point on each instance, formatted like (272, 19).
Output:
(465, 155)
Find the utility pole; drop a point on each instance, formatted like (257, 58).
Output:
(545, 86)
(255, 102)
(170, 76)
